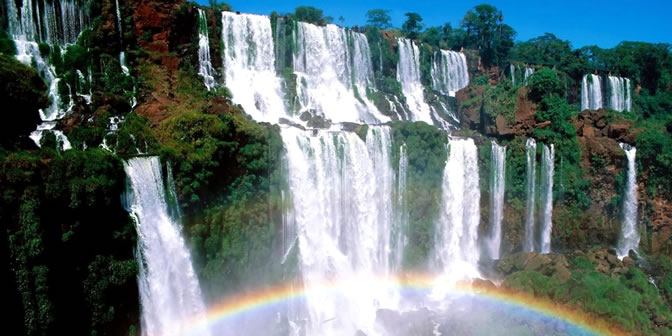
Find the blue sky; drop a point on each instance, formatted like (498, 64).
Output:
(582, 22)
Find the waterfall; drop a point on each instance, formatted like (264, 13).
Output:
(399, 232)
(531, 153)
(249, 66)
(619, 94)
(327, 67)
(497, 183)
(205, 69)
(456, 248)
(169, 289)
(527, 74)
(591, 92)
(629, 239)
(547, 169)
(56, 23)
(408, 74)
(341, 192)
(449, 72)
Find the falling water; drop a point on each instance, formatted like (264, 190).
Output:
(527, 74)
(249, 66)
(619, 94)
(399, 232)
(449, 72)
(408, 74)
(341, 191)
(591, 92)
(456, 249)
(531, 153)
(497, 183)
(169, 289)
(629, 239)
(59, 23)
(547, 169)
(205, 69)
(327, 67)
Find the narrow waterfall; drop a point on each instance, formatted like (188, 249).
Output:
(205, 68)
(527, 74)
(456, 247)
(341, 191)
(169, 290)
(399, 232)
(619, 94)
(531, 153)
(497, 184)
(547, 170)
(249, 66)
(449, 72)
(629, 239)
(408, 74)
(327, 67)
(591, 92)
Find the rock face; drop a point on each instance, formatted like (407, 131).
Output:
(554, 265)
(594, 124)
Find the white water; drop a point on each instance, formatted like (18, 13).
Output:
(399, 233)
(497, 184)
(449, 72)
(327, 67)
(619, 94)
(408, 74)
(57, 26)
(341, 191)
(591, 92)
(527, 72)
(169, 290)
(456, 251)
(205, 69)
(547, 170)
(531, 146)
(249, 66)
(629, 239)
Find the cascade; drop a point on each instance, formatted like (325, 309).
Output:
(399, 232)
(205, 68)
(619, 94)
(408, 74)
(341, 192)
(528, 72)
(531, 153)
(449, 72)
(169, 290)
(591, 92)
(56, 23)
(249, 66)
(629, 238)
(456, 244)
(326, 67)
(547, 170)
(497, 183)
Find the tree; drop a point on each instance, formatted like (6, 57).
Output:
(545, 83)
(379, 18)
(486, 31)
(311, 15)
(413, 25)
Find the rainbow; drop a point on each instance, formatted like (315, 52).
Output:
(247, 303)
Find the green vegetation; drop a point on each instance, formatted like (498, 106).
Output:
(379, 18)
(412, 26)
(629, 300)
(24, 93)
(486, 32)
(426, 150)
